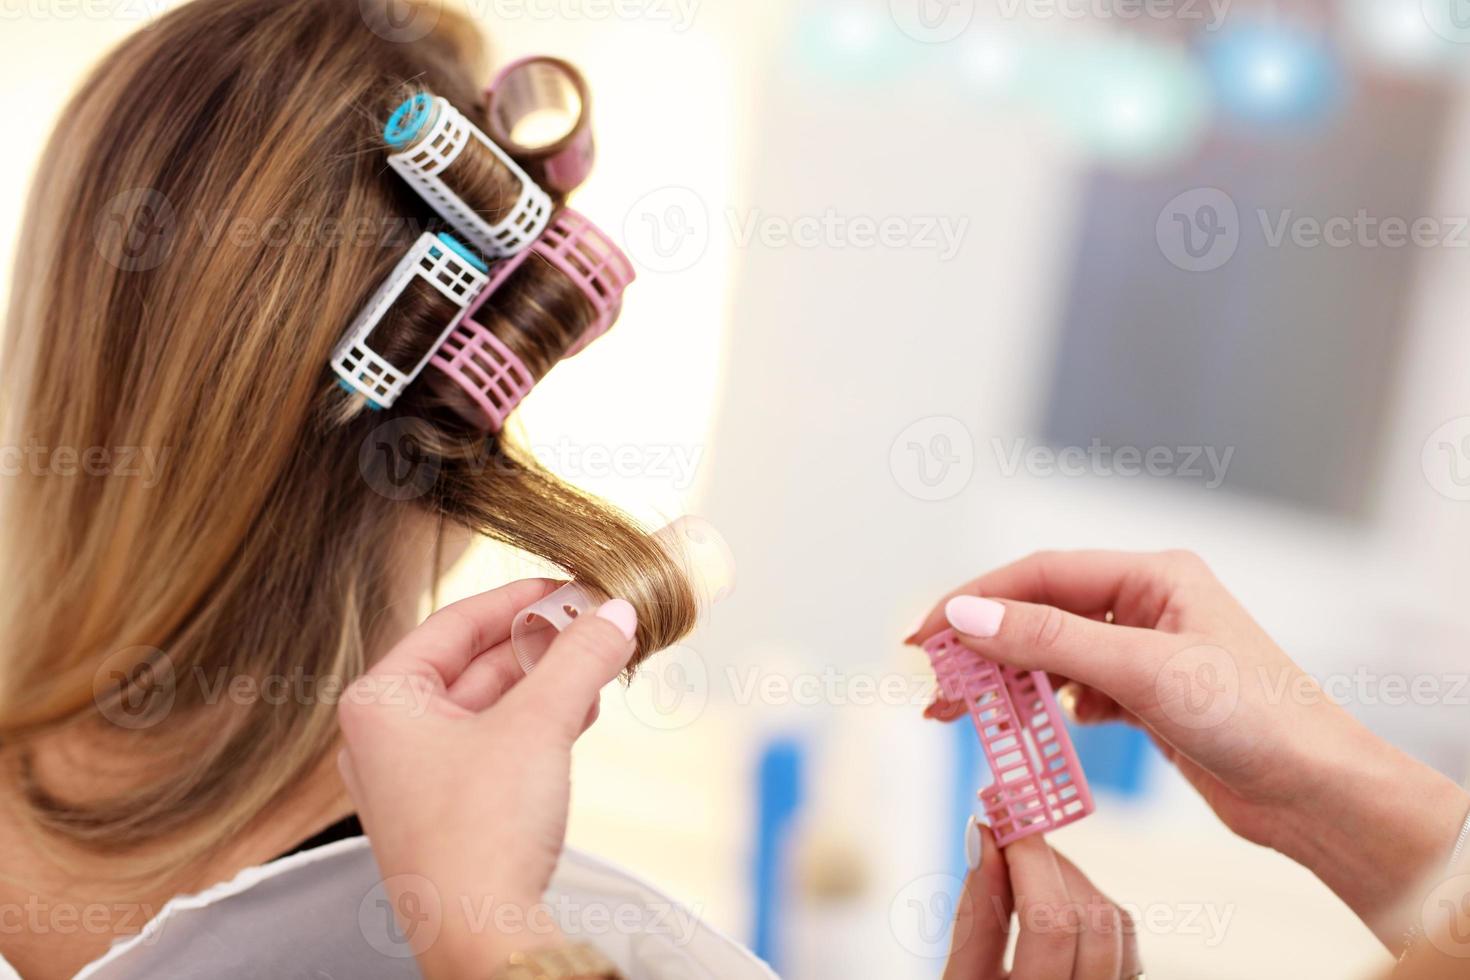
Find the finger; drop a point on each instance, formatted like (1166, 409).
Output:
(1100, 942)
(1120, 661)
(486, 679)
(442, 647)
(582, 660)
(1046, 947)
(943, 709)
(982, 926)
(1086, 583)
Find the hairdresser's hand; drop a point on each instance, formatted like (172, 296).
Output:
(460, 769)
(1157, 641)
(1065, 926)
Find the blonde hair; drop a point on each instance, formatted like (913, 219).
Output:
(209, 215)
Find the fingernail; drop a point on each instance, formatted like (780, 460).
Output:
(913, 636)
(621, 614)
(974, 616)
(974, 848)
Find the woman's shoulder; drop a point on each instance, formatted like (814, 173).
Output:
(324, 912)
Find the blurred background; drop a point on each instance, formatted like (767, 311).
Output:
(927, 285)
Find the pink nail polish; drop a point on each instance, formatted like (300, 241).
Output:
(974, 616)
(621, 614)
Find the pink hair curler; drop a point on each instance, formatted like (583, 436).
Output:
(594, 262)
(540, 110)
(488, 371)
(693, 542)
(480, 362)
(1038, 781)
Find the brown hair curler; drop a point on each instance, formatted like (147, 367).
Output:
(540, 110)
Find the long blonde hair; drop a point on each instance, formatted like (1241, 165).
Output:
(211, 212)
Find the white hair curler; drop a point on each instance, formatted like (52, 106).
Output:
(444, 264)
(693, 542)
(434, 135)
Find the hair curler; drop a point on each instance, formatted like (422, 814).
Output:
(693, 542)
(447, 267)
(480, 363)
(540, 110)
(1038, 782)
(431, 137)
(594, 262)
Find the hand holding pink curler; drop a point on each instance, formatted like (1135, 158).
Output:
(1039, 784)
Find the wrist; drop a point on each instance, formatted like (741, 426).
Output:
(1373, 823)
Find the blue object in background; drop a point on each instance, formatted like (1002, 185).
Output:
(1273, 74)
(1115, 757)
(779, 795)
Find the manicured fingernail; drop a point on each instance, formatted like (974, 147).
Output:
(974, 616)
(974, 848)
(913, 636)
(621, 614)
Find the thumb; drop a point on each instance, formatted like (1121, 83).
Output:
(1117, 660)
(584, 659)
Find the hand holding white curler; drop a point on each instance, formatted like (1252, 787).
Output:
(693, 542)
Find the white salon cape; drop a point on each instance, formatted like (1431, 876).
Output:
(321, 914)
